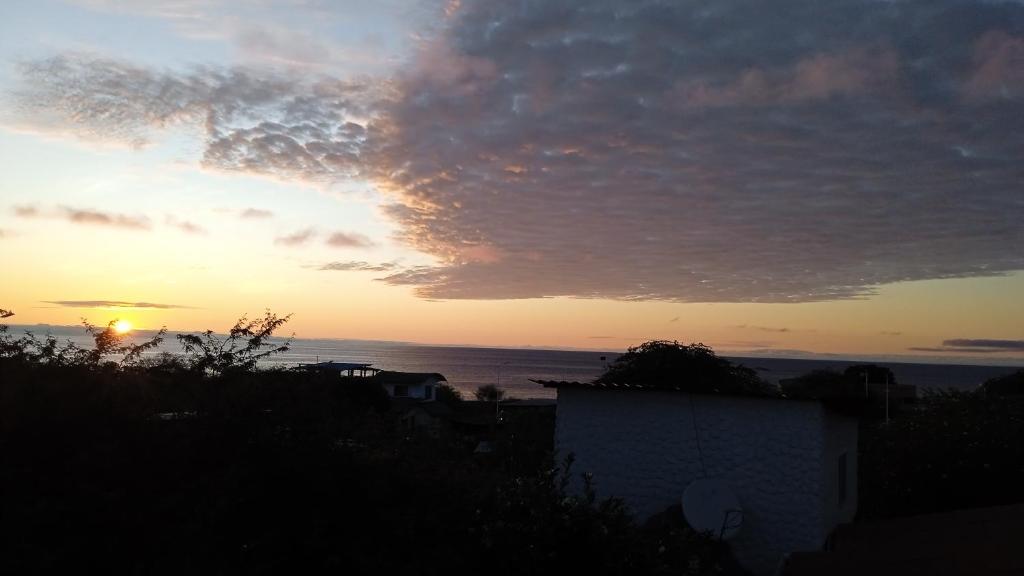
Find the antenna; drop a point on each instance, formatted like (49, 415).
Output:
(710, 506)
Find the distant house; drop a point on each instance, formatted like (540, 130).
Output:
(413, 385)
(418, 385)
(350, 369)
(791, 463)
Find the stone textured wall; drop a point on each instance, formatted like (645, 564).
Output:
(641, 447)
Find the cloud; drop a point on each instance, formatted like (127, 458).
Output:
(348, 240)
(975, 346)
(985, 343)
(763, 328)
(186, 226)
(821, 76)
(296, 238)
(102, 218)
(276, 124)
(95, 217)
(255, 214)
(890, 333)
(681, 151)
(358, 266)
(998, 68)
(113, 304)
(952, 349)
(289, 34)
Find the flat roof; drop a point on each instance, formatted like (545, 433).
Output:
(344, 366)
(835, 400)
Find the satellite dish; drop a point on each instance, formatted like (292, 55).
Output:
(710, 506)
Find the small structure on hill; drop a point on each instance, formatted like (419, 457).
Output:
(683, 415)
(350, 369)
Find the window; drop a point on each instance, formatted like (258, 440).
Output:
(428, 392)
(841, 477)
(401, 391)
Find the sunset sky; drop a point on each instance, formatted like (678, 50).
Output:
(828, 176)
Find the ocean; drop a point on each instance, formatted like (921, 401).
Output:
(467, 367)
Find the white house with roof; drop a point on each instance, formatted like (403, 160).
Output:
(791, 464)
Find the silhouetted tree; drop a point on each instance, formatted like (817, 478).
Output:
(875, 374)
(693, 367)
(824, 384)
(1009, 385)
(448, 394)
(248, 342)
(489, 393)
(7, 344)
(107, 343)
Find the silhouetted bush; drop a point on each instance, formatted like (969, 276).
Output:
(1009, 385)
(693, 367)
(447, 394)
(954, 450)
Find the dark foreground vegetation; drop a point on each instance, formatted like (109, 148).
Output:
(954, 450)
(120, 462)
(116, 460)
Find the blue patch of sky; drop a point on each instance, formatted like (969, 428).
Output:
(41, 28)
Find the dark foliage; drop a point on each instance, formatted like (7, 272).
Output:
(489, 393)
(447, 394)
(205, 464)
(693, 367)
(1009, 385)
(874, 374)
(108, 345)
(247, 342)
(953, 450)
(842, 392)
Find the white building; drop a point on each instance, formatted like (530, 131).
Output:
(411, 385)
(791, 463)
(416, 385)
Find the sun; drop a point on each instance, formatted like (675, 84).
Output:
(122, 326)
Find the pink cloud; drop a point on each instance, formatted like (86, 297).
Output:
(818, 77)
(26, 211)
(348, 240)
(297, 238)
(439, 65)
(998, 71)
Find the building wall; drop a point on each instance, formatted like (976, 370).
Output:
(641, 447)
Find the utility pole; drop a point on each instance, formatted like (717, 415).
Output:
(497, 394)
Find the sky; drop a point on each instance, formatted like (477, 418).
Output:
(823, 176)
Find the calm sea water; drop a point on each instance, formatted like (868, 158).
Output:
(467, 367)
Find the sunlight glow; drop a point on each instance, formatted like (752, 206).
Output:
(122, 326)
